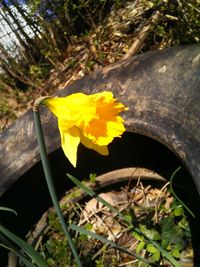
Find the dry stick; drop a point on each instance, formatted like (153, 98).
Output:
(142, 35)
(12, 259)
(92, 47)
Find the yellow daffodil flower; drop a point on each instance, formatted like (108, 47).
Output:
(88, 119)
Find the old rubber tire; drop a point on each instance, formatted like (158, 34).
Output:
(162, 91)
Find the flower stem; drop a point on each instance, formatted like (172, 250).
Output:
(49, 179)
(175, 195)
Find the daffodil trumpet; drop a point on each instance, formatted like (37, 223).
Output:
(92, 120)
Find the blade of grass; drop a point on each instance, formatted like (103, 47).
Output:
(9, 246)
(7, 242)
(7, 209)
(108, 242)
(27, 248)
(174, 194)
(19, 255)
(91, 193)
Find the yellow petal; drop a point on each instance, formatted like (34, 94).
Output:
(61, 107)
(103, 150)
(54, 104)
(103, 132)
(116, 127)
(70, 140)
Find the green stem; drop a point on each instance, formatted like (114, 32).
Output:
(49, 180)
(175, 195)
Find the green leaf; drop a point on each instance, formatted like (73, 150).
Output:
(164, 243)
(138, 236)
(88, 226)
(7, 209)
(176, 253)
(156, 256)
(150, 233)
(179, 245)
(27, 248)
(128, 218)
(92, 177)
(169, 230)
(140, 246)
(183, 223)
(178, 211)
(151, 248)
(167, 224)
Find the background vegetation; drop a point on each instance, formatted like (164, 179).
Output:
(68, 39)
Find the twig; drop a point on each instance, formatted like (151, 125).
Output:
(158, 200)
(98, 253)
(92, 47)
(128, 263)
(142, 35)
(12, 259)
